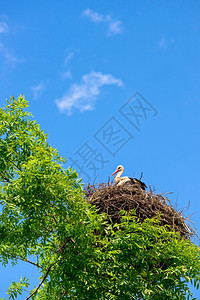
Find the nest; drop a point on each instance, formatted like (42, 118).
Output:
(112, 199)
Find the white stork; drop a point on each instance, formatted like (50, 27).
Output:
(122, 180)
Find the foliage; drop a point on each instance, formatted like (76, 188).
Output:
(78, 253)
(17, 288)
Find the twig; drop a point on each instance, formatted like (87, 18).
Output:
(18, 168)
(53, 217)
(95, 179)
(43, 279)
(5, 178)
(30, 262)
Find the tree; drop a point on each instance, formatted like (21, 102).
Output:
(79, 253)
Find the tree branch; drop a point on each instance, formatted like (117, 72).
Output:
(5, 178)
(43, 279)
(53, 217)
(12, 162)
(30, 262)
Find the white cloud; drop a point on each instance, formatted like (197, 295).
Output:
(114, 26)
(93, 16)
(68, 57)
(82, 95)
(38, 89)
(3, 27)
(66, 74)
(7, 56)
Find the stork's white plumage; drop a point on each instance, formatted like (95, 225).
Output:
(118, 179)
(122, 180)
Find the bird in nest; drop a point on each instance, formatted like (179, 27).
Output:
(126, 180)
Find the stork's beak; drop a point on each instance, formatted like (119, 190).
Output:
(115, 172)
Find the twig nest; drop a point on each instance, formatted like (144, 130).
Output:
(112, 199)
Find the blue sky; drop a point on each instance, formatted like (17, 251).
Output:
(111, 83)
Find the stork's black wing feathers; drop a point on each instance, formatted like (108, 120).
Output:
(137, 181)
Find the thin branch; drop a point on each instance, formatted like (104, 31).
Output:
(12, 162)
(141, 175)
(43, 279)
(52, 216)
(5, 178)
(30, 262)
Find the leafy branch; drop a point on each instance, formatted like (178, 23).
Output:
(30, 262)
(42, 281)
(5, 178)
